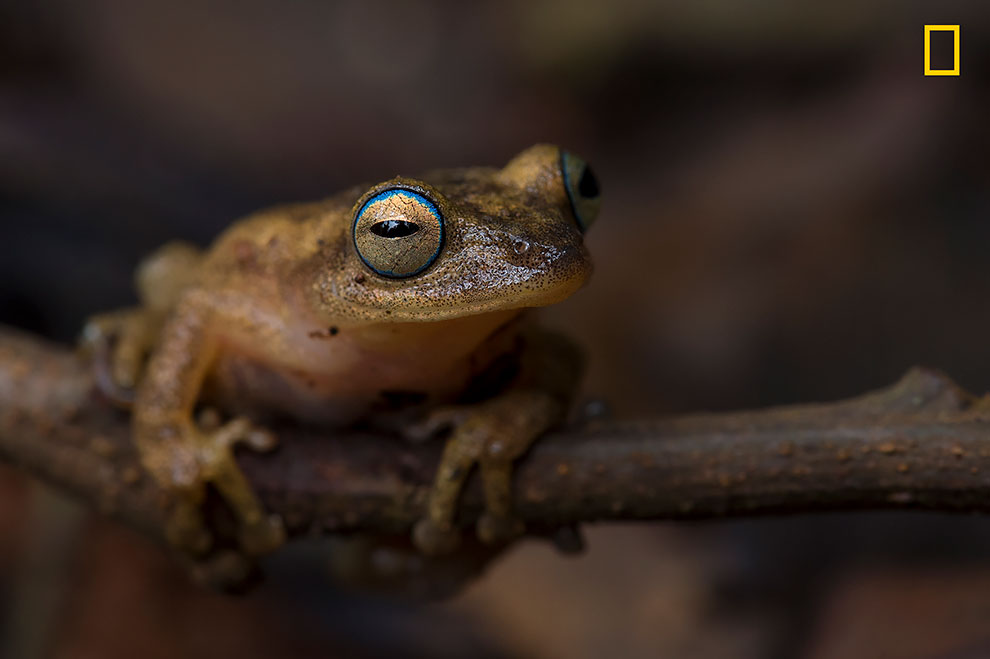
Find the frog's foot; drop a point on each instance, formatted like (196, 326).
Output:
(492, 436)
(207, 457)
(118, 344)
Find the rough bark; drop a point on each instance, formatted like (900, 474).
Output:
(920, 443)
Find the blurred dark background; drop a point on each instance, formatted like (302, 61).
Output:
(792, 212)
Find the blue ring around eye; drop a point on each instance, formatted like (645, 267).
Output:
(415, 196)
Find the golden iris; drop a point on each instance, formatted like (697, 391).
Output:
(398, 232)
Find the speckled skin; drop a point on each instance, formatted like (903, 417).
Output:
(281, 316)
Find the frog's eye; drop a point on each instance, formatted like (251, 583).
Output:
(582, 189)
(398, 232)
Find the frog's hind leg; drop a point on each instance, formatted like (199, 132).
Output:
(119, 342)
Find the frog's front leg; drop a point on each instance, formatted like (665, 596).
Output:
(492, 435)
(184, 458)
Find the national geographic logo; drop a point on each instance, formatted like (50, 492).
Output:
(941, 50)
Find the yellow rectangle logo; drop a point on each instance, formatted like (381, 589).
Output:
(928, 51)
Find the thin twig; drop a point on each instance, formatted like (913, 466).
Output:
(920, 443)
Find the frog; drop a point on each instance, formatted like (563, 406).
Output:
(385, 305)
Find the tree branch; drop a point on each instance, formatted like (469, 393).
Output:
(921, 443)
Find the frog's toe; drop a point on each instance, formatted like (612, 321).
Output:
(118, 343)
(262, 537)
(496, 529)
(186, 530)
(435, 539)
(258, 532)
(240, 431)
(105, 379)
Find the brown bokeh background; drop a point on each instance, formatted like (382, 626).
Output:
(792, 212)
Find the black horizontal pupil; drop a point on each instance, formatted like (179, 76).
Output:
(394, 228)
(588, 184)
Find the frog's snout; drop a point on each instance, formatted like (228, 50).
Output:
(552, 269)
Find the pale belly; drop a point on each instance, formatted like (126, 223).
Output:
(242, 385)
(341, 380)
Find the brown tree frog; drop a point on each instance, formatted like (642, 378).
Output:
(385, 305)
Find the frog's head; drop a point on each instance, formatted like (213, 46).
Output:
(462, 242)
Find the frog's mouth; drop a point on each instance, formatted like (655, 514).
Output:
(475, 281)
(493, 285)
